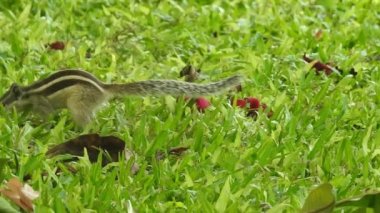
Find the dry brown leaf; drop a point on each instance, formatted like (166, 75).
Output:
(22, 195)
(110, 146)
(177, 151)
(318, 65)
(94, 145)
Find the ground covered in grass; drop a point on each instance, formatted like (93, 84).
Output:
(323, 127)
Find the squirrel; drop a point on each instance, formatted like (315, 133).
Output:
(82, 93)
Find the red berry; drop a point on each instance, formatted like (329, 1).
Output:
(254, 103)
(202, 104)
(241, 103)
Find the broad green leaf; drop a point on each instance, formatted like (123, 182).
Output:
(25, 13)
(188, 180)
(224, 196)
(319, 200)
(318, 146)
(367, 200)
(5, 207)
(170, 103)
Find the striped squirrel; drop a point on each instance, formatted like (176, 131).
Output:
(82, 93)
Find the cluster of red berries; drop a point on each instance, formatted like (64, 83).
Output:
(252, 105)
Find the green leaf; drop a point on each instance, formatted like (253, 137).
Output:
(330, 4)
(33, 163)
(5, 207)
(366, 200)
(224, 196)
(319, 200)
(3, 163)
(279, 208)
(25, 13)
(366, 140)
(322, 92)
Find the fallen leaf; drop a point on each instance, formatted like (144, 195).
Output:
(319, 66)
(93, 143)
(57, 45)
(177, 151)
(320, 200)
(318, 35)
(110, 146)
(20, 194)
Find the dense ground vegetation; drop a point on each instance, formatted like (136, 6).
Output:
(323, 127)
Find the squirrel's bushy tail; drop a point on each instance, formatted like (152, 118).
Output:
(174, 88)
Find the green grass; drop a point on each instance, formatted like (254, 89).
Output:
(324, 129)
